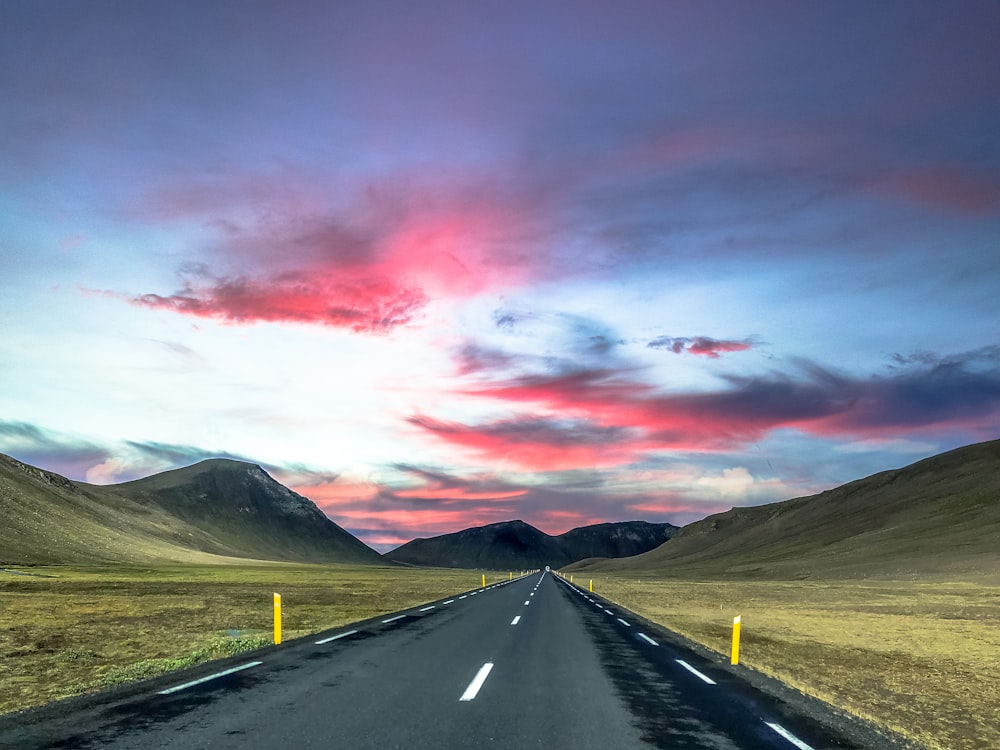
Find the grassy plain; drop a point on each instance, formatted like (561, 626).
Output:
(67, 630)
(919, 657)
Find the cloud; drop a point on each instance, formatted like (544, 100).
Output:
(69, 455)
(539, 444)
(367, 263)
(959, 392)
(702, 345)
(972, 191)
(367, 305)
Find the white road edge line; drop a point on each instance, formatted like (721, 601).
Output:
(450, 601)
(648, 639)
(477, 682)
(624, 623)
(393, 619)
(335, 637)
(695, 672)
(427, 609)
(516, 620)
(609, 612)
(463, 596)
(789, 736)
(175, 688)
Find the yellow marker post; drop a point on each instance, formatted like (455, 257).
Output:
(510, 576)
(484, 580)
(277, 619)
(737, 622)
(571, 579)
(591, 585)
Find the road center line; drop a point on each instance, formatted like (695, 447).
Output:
(428, 609)
(477, 682)
(648, 639)
(335, 637)
(516, 620)
(609, 612)
(624, 623)
(393, 619)
(527, 601)
(174, 689)
(788, 736)
(695, 672)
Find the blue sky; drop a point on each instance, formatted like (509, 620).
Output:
(440, 264)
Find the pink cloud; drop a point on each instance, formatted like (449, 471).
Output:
(954, 188)
(629, 417)
(700, 345)
(363, 305)
(403, 243)
(537, 444)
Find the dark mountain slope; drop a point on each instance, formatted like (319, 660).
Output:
(509, 544)
(212, 512)
(248, 513)
(518, 546)
(623, 539)
(940, 515)
(48, 519)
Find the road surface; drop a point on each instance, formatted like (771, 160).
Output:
(533, 663)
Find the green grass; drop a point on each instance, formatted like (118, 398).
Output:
(82, 628)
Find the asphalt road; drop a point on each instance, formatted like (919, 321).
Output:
(532, 663)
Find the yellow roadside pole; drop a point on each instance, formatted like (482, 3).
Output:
(484, 580)
(591, 585)
(277, 619)
(737, 622)
(510, 576)
(571, 579)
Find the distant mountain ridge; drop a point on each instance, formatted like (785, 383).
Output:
(214, 511)
(938, 516)
(518, 545)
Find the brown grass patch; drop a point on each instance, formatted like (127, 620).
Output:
(921, 658)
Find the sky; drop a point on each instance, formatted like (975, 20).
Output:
(440, 264)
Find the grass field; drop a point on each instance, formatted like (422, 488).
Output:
(65, 630)
(921, 658)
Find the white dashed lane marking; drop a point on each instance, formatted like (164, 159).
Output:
(240, 668)
(695, 672)
(789, 736)
(393, 619)
(516, 620)
(477, 682)
(336, 637)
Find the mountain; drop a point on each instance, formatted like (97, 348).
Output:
(248, 514)
(518, 546)
(937, 516)
(47, 519)
(623, 539)
(212, 512)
